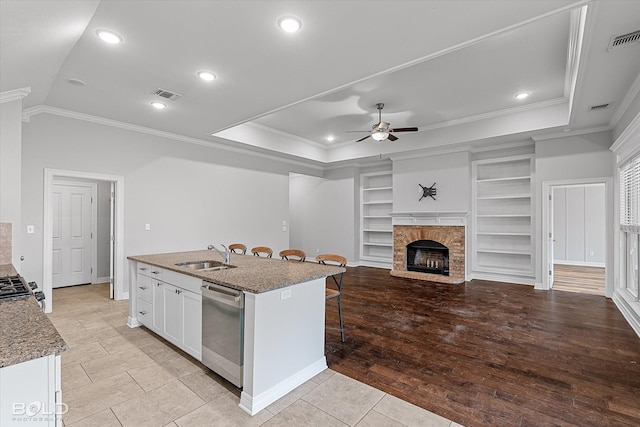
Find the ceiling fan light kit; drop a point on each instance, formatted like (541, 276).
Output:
(381, 131)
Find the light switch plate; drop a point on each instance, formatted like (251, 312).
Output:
(286, 294)
(30, 229)
(147, 227)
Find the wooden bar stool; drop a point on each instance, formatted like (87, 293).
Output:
(293, 255)
(239, 247)
(262, 250)
(330, 293)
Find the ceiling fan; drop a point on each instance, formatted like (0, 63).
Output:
(381, 130)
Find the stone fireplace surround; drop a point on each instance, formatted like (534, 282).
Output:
(451, 236)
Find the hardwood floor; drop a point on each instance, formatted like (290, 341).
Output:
(488, 353)
(576, 278)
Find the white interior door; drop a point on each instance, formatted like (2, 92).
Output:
(72, 234)
(551, 239)
(112, 222)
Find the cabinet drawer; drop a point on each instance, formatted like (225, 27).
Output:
(149, 270)
(144, 312)
(145, 288)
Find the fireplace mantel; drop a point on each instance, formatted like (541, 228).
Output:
(430, 218)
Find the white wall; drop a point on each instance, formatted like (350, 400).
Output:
(450, 172)
(104, 226)
(571, 158)
(190, 194)
(323, 213)
(579, 224)
(10, 177)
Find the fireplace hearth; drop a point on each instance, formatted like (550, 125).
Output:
(428, 256)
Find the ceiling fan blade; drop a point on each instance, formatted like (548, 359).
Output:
(362, 139)
(404, 130)
(392, 137)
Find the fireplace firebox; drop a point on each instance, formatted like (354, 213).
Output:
(428, 256)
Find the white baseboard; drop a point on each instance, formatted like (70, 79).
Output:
(102, 280)
(630, 310)
(580, 263)
(503, 278)
(254, 404)
(132, 322)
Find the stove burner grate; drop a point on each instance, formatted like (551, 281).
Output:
(13, 287)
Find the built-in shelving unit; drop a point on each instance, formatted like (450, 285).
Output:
(502, 217)
(376, 230)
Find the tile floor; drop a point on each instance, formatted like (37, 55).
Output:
(113, 375)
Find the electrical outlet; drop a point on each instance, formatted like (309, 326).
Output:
(30, 229)
(147, 227)
(590, 253)
(286, 294)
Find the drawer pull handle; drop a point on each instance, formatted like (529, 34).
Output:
(143, 312)
(155, 272)
(143, 268)
(178, 291)
(142, 287)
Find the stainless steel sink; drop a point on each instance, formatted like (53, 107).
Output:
(205, 265)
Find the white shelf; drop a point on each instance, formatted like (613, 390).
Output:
(503, 189)
(498, 233)
(377, 189)
(504, 216)
(375, 222)
(509, 178)
(506, 196)
(379, 202)
(385, 245)
(504, 251)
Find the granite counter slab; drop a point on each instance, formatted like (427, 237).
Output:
(26, 333)
(252, 274)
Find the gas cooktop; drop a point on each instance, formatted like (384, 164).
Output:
(13, 287)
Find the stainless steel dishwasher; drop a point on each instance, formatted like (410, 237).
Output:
(223, 331)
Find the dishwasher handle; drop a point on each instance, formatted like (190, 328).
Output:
(223, 294)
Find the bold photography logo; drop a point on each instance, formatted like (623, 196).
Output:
(37, 409)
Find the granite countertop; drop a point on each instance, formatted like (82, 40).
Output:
(252, 274)
(26, 332)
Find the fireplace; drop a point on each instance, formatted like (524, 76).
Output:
(429, 252)
(428, 256)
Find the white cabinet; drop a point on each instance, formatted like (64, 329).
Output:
(172, 310)
(502, 217)
(376, 237)
(31, 393)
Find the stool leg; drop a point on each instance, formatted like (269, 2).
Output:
(340, 315)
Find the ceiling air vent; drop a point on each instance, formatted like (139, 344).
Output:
(598, 107)
(162, 93)
(624, 40)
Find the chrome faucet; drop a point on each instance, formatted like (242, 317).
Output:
(226, 255)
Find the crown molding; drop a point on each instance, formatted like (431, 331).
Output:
(557, 135)
(626, 102)
(40, 109)
(14, 95)
(627, 145)
(282, 133)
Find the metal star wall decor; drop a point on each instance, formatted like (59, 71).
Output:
(428, 191)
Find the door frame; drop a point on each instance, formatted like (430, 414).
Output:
(119, 259)
(547, 220)
(94, 221)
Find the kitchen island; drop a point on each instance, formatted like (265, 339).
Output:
(30, 348)
(284, 305)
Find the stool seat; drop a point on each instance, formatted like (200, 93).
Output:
(267, 251)
(293, 255)
(239, 247)
(331, 293)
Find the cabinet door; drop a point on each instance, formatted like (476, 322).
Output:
(173, 313)
(192, 322)
(158, 307)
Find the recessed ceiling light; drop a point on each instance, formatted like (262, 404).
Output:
(522, 95)
(109, 36)
(290, 24)
(207, 76)
(330, 138)
(158, 105)
(77, 82)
